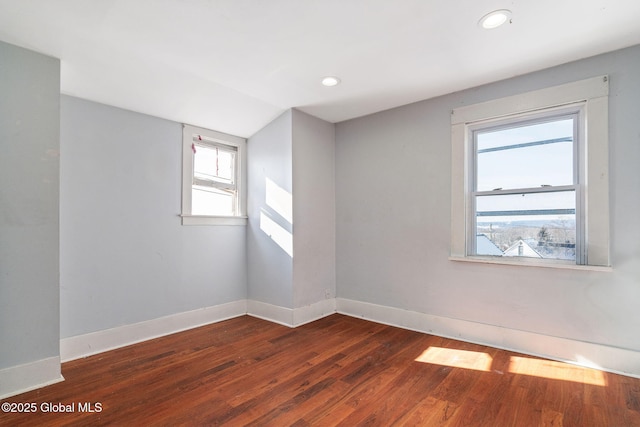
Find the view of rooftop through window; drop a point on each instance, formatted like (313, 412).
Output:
(525, 189)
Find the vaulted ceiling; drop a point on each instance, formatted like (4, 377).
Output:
(234, 65)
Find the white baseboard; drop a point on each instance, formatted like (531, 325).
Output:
(606, 358)
(96, 342)
(270, 312)
(30, 376)
(598, 356)
(291, 317)
(315, 311)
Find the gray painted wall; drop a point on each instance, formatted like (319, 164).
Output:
(270, 267)
(292, 163)
(314, 262)
(125, 257)
(29, 188)
(393, 174)
(120, 255)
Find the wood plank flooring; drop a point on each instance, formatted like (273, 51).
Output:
(337, 371)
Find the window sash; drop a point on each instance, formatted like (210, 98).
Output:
(217, 178)
(573, 112)
(216, 184)
(213, 191)
(510, 207)
(222, 186)
(200, 209)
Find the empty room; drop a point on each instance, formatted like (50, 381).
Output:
(320, 212)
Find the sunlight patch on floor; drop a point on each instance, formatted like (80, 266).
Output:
(456, 358)
(543, 368)
(555, 370)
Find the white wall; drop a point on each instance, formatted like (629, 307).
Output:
(270, 228)
(291, 236)
(125, 257)
(393, 220)
(314, 263)
(29, 231)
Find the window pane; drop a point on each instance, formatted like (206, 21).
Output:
(526, 156)
(206, 201)
(538, 225)
(214, 164)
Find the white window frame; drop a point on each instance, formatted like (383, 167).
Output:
(590, 98)
(191, 135)
(576, 113)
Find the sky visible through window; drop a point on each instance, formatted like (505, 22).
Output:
(535, 158)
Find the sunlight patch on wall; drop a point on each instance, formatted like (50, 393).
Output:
(277, 233)
(279, 199)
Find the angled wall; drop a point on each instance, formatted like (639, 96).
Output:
(314, 237)
(291, 235)
(29, 218)
(269, 207)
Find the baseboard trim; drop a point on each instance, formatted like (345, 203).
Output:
(85, 345)
(272, 313)
(610, 359)
(291, 317)
(313, 312)
(30, 376)
(97, 342)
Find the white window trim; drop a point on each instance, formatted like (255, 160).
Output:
(576, 112)
(188, 133)
(593, 93)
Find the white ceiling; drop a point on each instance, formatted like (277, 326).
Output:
(234, 65)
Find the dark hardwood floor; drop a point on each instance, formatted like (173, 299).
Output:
(335, 371)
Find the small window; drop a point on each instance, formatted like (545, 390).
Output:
(529, 183)
(212, 191)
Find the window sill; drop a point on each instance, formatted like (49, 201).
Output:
(531, 263)
(213, 220)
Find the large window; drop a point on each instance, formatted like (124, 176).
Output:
(529, 180)
(525, 187)
(213, 167)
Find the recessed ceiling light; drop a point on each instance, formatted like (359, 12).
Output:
(330, 81)
(495, 19)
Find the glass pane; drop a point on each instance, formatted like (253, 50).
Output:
(526, 156)
(205, 201)
(537, 225)
(214, 164)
